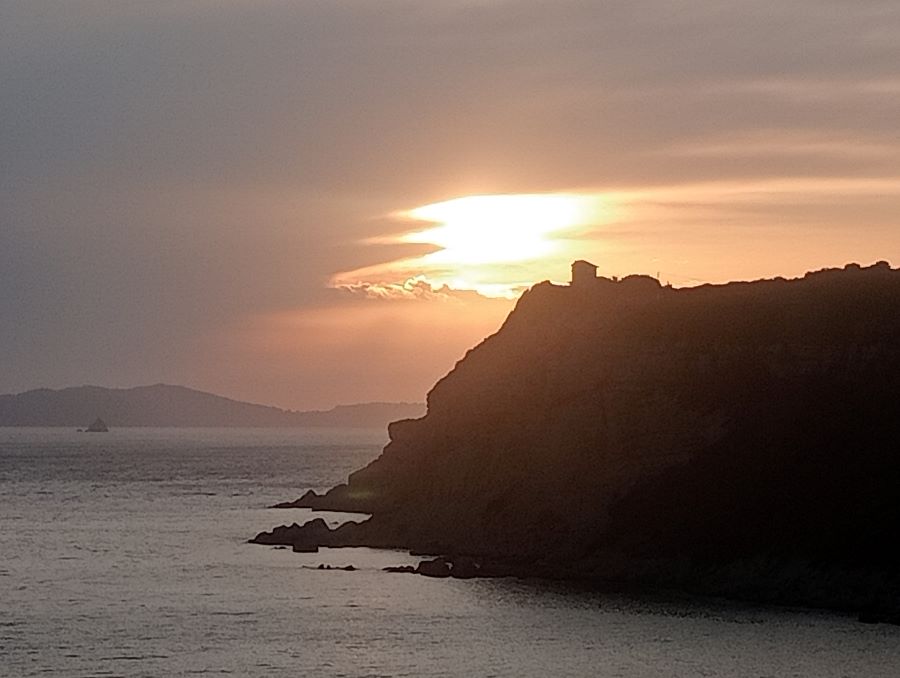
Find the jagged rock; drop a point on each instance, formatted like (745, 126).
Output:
(343, 568)
(303, 539)
(304, 501)
(460, 567)
(339, 498)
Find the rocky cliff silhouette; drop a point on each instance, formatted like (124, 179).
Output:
(740, 438)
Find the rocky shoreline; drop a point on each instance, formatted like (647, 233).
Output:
(338, 498)
(870, 595)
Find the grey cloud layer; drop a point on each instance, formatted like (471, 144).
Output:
(391, 93)
(175, 164)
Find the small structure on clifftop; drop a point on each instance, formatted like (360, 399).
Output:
(583, 273)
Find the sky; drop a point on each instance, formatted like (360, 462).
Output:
(310, 203)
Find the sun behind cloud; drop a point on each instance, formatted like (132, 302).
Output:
(495, 245)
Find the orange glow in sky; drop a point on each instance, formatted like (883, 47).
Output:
(341, 215)
(499, 245)
(490, 229)
(491, 244)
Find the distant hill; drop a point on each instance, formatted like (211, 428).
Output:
(166, 405)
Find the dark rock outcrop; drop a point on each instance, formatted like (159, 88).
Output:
(300, 502)
(741, 438)
(342, 568)
(438, 568)
(305, 538)
(339, 498)
(465, 568)
(304, 548)
(316, 533)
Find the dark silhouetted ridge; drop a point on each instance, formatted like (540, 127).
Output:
(740, 439)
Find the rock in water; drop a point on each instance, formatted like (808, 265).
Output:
(434, 568)
(304, 548)
(98, 426)
(407, 569)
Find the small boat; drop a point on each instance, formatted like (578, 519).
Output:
(99, 426)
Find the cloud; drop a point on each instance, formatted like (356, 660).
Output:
(417, 288)
(170, 168)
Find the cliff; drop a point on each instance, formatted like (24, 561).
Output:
(625, 423)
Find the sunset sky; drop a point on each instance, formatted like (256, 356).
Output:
(309, 203)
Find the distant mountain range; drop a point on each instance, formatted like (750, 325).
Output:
(166, 405)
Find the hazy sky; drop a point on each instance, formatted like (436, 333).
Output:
(215, 193)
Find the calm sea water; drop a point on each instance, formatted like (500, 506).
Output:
(124, 554)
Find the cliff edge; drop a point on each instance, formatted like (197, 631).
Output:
(632, 430)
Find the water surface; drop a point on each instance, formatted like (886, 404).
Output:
(124, 554)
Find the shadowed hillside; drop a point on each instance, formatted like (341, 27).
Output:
(618, 423)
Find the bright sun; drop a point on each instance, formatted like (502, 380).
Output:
(489, 229)
(496, 245)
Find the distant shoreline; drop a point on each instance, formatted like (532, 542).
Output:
(286, 427)
(168, 406)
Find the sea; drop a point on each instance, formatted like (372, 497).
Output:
(126, 554)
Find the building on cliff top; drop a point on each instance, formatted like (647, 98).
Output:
(584, 277)
(583, 273)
